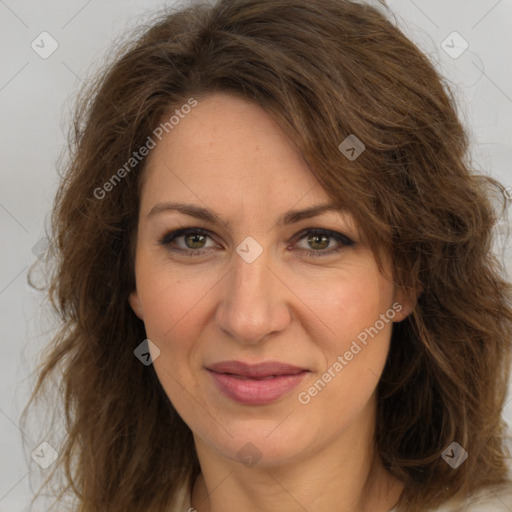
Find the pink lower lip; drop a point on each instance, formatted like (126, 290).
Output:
(253, 391)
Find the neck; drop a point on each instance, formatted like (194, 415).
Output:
(344, 474)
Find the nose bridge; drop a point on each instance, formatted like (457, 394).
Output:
(251, 277)
(253, 304)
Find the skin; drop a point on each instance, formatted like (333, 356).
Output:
(228, 155)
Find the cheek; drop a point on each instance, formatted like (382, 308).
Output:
(172, 305)
(355, 355)
(347, 304)
(176, 312)
(171, 300)
(355, 349)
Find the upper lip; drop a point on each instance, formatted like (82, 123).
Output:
(265, 369)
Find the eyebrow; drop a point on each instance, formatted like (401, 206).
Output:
(206, 214)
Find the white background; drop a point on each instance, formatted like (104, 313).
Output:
(35, 98)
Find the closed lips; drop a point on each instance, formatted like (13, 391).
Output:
(260, 371)
(255, 384)
(243, 377)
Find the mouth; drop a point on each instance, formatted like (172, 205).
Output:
(243, 377)
(257, 384)
(263, 370)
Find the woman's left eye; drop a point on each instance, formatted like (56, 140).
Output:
(320, 239)
(192, 241)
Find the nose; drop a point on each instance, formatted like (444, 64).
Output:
(254, 302)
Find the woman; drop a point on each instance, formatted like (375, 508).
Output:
(274, 274)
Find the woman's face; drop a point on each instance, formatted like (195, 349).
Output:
(256, 282)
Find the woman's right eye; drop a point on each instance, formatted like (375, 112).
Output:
(192, 241)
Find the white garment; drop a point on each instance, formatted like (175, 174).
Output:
(484, 501)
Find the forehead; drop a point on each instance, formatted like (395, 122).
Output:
(226, 148)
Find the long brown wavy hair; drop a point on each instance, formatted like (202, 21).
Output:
(324, 70)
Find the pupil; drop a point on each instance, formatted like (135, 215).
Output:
(195, 239)
(316, 238)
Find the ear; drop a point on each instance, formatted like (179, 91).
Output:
(135, 304)
(405, 302)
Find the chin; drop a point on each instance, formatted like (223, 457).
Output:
(263, 446)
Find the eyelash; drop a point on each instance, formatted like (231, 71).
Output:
(344, 241)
